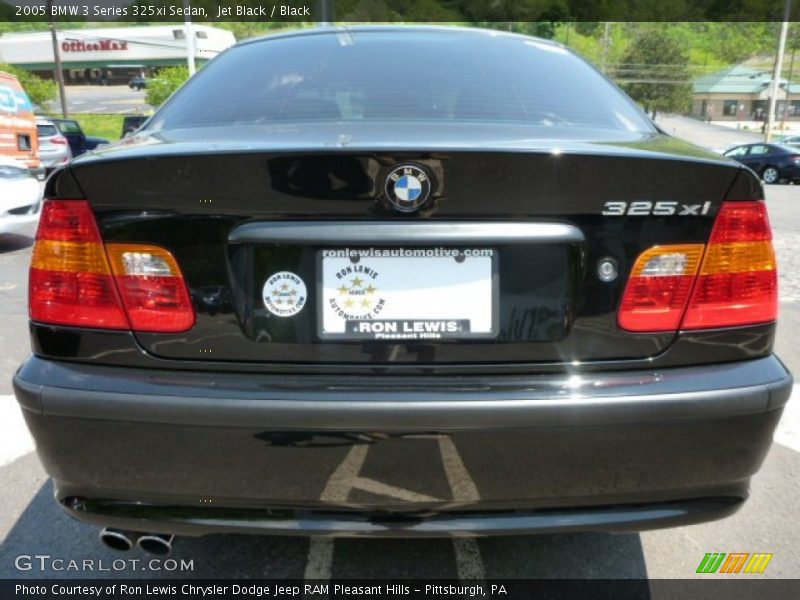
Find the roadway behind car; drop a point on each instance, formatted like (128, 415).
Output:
(714, 137)
(103, 99)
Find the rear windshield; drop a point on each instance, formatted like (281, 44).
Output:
(45, 131)
(68, 127)
(401, 75)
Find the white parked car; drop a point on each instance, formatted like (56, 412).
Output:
(20, 197)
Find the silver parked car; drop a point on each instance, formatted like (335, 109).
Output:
(790, 140)
(54, 149)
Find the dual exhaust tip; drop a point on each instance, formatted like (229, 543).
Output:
(159, 544)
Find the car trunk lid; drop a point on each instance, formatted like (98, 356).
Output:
(545, 214)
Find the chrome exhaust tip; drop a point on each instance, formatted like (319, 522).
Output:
(156, 543)
(117, 539)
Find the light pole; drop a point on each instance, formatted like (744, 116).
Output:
(606, 33)
(788, 86)
(325, 13)
(188, 33)
(776, 76)
(57, 59)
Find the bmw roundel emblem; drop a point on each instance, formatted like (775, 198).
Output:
(408, 187)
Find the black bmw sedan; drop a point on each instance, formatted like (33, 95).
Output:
(775, 163)
(401, 281)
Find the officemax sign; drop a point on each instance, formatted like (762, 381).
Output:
(98, 46)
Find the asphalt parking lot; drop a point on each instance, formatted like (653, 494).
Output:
(86, 99)
(32, 524)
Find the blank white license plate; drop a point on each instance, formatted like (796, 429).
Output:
(417, 294)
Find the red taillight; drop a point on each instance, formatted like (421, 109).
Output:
(152, 288)
(741, 222)
(58, 140)
(738, 281)
(659, 287)
(734, 285)
(68, 220)
(72, 282)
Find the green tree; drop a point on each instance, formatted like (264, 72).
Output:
(39, 90)
(243, 30)
(164, 84)
(655, 73)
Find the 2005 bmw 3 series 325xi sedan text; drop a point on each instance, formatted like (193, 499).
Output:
(401, 281)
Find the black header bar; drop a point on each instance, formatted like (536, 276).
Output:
(361, 11)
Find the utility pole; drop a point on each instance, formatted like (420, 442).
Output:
(605, 46)
(788, 86)
(57, 59)
(776, 76)
(188, 32)
(325, 13)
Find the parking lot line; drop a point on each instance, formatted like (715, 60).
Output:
(341, 482)
(468, 555)
(320, 559)
(468, 559)
(320, 550)
(346, 477)
(788, 431)
(15, 440)
(461, 484)
(383, 489)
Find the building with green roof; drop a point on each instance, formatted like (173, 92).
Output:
(741, 93)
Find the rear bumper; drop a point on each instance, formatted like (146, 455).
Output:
(195, 453)
(55, 160)
(38, 171)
